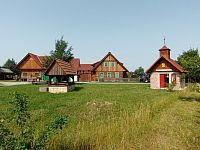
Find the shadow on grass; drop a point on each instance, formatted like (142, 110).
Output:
(78, 88)
(190, 98)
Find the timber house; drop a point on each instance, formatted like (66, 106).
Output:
(107, 69)
(31, 67)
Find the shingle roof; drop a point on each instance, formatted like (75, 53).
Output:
(5, 70)
(65, 66)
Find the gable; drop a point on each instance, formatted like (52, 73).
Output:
(59, 67)
(110, 59)
(165, 64)
(29, 63)
(55, 69)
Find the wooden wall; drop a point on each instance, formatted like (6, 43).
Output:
(163, 64)
(29, 63)
(117, 66)
(102, 68)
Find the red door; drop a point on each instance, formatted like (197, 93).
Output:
(162, 80)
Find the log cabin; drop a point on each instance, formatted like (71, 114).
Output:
(108, 68)
(165, 71)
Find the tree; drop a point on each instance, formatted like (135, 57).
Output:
(190, 61)
(12, 65)
(62, 51)
(139, 72)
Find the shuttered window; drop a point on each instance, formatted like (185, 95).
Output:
(109, 74)
(116, 74)
(101, 74)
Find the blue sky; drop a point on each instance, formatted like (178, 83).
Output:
(132, 30)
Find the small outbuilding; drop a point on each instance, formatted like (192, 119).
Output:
(6, 74)
(165, 71)
(64, 74)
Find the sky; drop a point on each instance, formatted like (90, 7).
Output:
(132, 30)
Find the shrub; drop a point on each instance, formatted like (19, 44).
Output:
(195, 87)
(170, 87)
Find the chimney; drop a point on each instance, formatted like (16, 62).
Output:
(165, 52)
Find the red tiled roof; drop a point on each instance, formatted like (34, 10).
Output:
(171, 61)
(164, 48)
(38, 59)
(85, 67)
(43, 58)
(75, 62)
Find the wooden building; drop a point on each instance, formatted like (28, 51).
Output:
(64, 74)
(75, 62)
(85, 72)
(31, 67)
(6, 74)
(107, 69)
(165, 71)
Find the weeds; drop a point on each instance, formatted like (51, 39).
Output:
(22, 137)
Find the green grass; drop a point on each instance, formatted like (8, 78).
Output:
(115, 116)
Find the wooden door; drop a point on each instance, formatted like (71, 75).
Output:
(162, 80)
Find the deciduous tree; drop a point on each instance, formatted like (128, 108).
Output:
(11, 64)
(62, 51)
(190, 60)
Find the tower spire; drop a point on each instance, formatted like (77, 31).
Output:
(164, 40)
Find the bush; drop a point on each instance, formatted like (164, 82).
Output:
(170, 87)
(195, 87)
(23, 137)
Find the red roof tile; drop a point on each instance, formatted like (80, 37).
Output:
(171, 61)
(164, 48)
(38, 59)
(85, 67)
(75, 62)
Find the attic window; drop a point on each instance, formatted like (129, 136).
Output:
(112, 64)
(105, 64)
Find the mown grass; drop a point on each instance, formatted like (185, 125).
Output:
(115, 116)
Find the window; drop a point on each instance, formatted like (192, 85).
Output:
(116, 74)
(24, 74)
(105, 64)
(109, 74)
(37, 74)
(112, 64)
(101, 74)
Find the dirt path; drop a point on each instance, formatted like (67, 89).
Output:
(13, 83)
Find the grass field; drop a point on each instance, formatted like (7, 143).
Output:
(115, 117)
